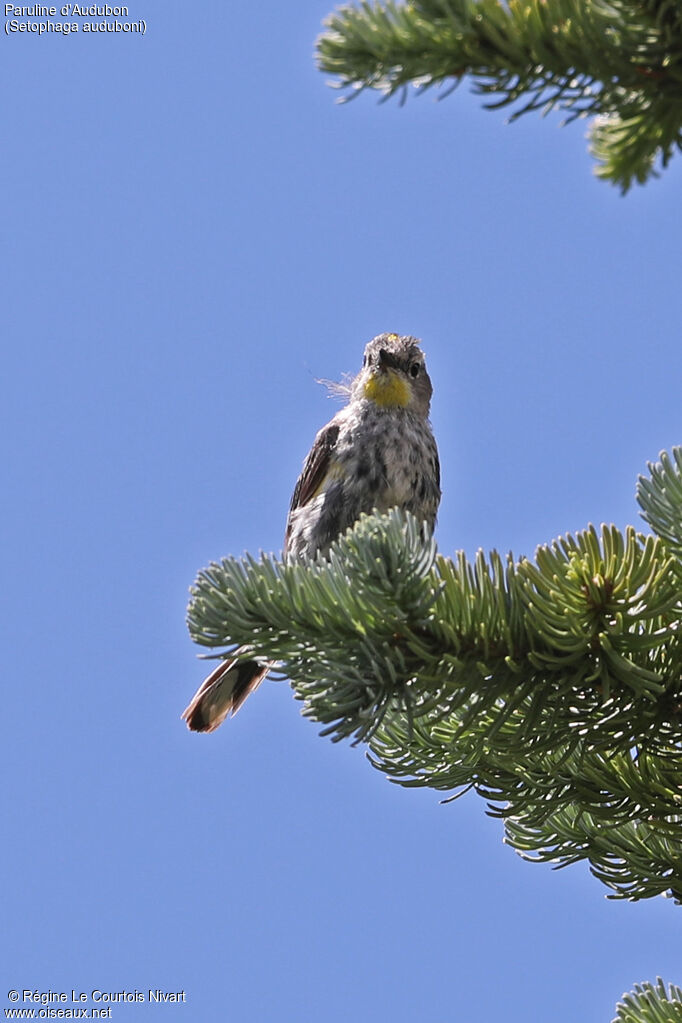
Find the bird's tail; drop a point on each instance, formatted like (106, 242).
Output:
(222, 693)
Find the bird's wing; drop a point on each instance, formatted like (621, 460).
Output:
(315, 469)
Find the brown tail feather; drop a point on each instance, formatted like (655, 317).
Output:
(222, 693)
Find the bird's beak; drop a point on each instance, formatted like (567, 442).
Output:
(387, 360)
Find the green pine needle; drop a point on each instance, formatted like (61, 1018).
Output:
(651, 1004)
(615, 59)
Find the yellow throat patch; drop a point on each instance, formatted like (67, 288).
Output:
(388, 389)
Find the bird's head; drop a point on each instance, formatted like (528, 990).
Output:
(393, 374)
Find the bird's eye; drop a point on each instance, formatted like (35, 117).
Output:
(414, 369)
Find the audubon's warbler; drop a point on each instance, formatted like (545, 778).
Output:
(377, 453)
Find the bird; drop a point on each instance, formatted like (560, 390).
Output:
(378, 452)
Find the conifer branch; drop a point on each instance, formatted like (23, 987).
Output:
(620, 60)
(651, 1004)
(553, 686)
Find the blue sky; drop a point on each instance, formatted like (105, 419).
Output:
(193, 233)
